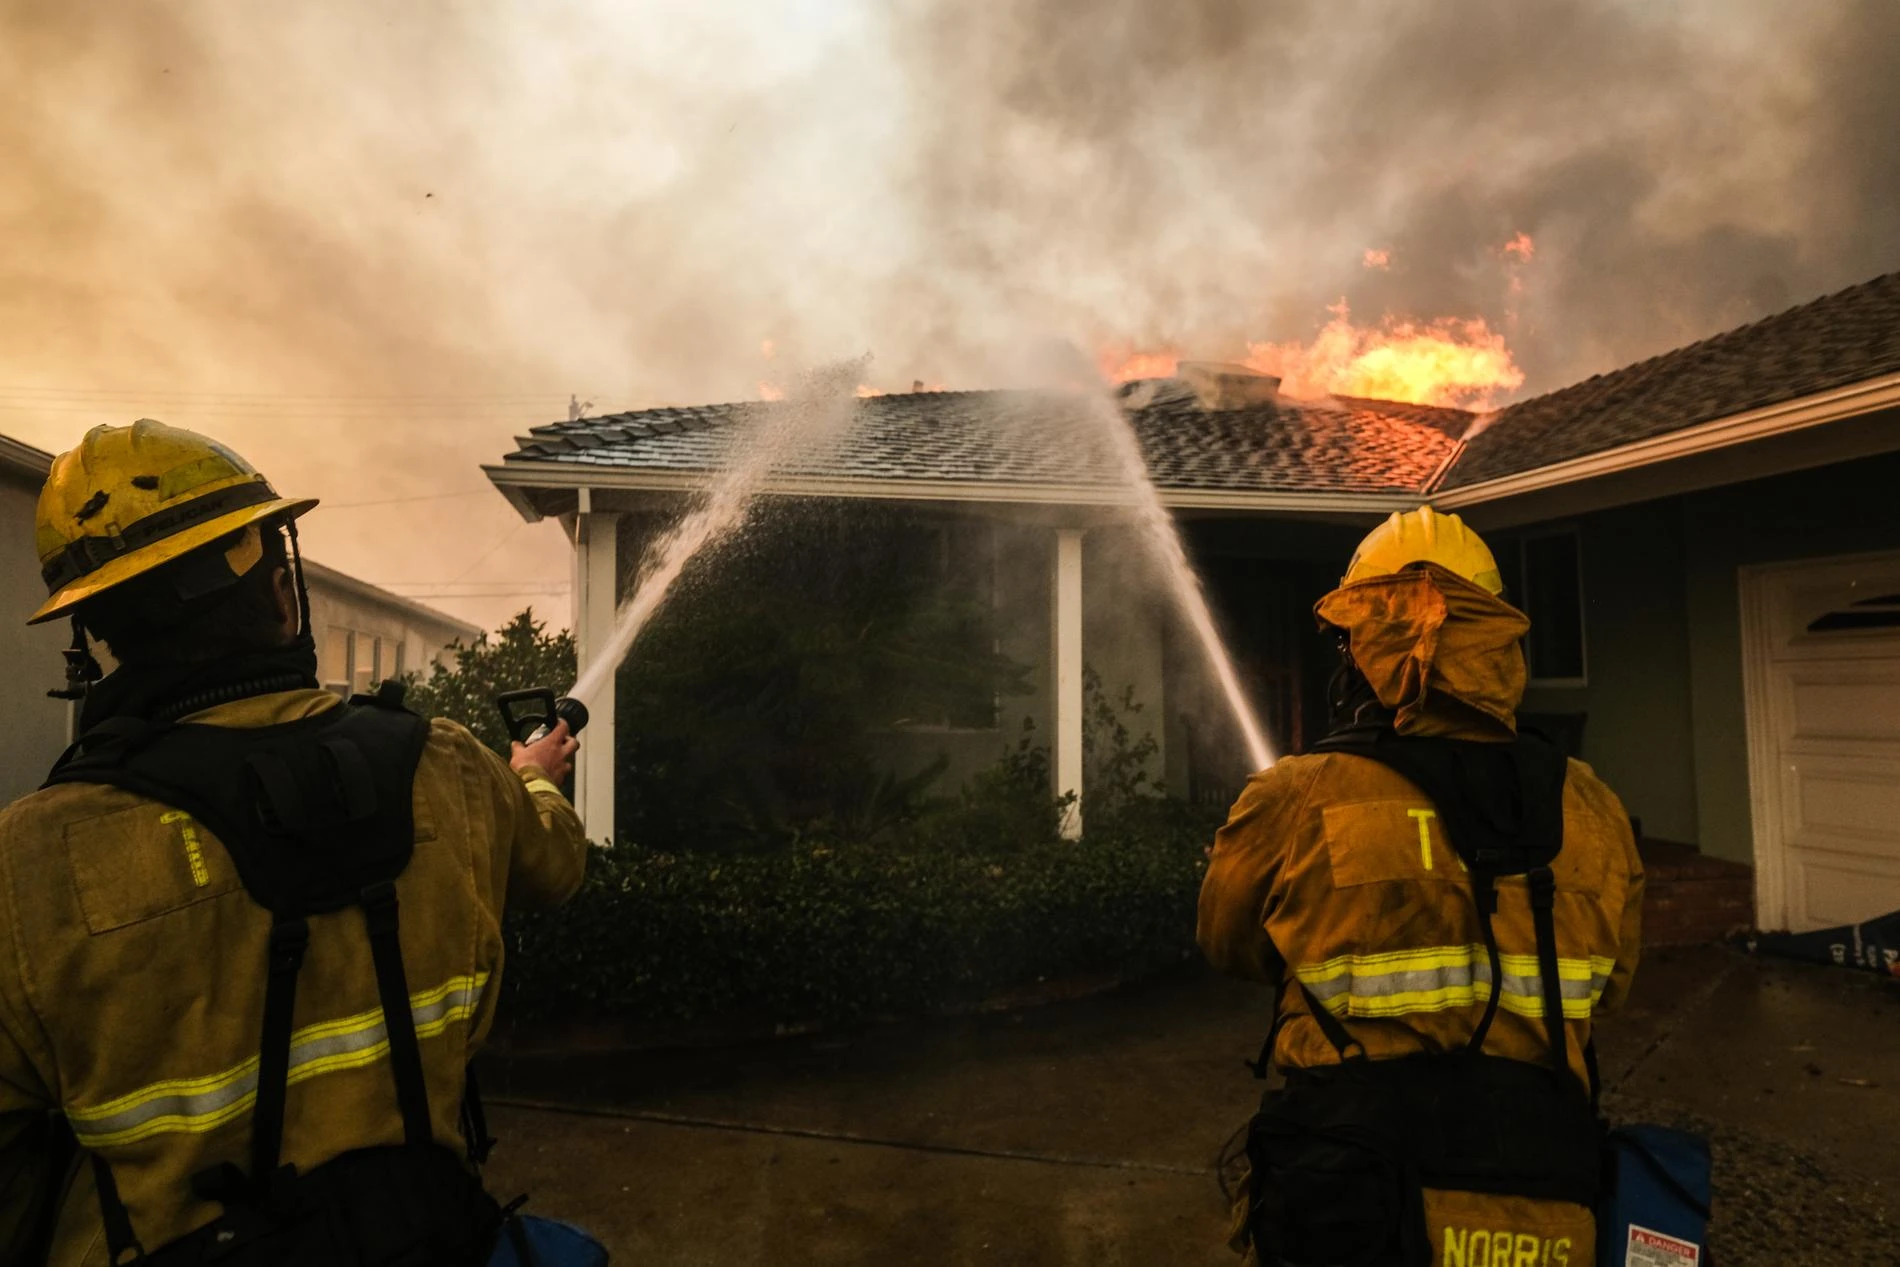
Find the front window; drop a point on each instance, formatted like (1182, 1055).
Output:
(1543, 577)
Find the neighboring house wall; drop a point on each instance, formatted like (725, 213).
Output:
(365, 634)
(36, 727)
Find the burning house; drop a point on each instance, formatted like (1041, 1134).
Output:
(1706, 542)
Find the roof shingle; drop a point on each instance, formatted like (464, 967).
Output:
(1024, 437)
(1341, 445)
(1834, 341)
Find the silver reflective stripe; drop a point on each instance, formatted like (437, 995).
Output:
(197, 1105)
(1453, 977)
(1434, 978)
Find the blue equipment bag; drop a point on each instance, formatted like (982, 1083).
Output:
(1655, 1209)
(528, 1241)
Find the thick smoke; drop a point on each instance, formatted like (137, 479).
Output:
(369, 243)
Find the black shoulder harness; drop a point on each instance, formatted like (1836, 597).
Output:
(1502, 809)
(317, 816)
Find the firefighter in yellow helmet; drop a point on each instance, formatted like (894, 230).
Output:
(249, 933)
(1442, 905)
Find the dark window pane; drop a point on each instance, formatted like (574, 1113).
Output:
(1834, 621)
(1555, 593)
(1510, 557)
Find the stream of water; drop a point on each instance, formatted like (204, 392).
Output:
(819, 412)
(1157, 527)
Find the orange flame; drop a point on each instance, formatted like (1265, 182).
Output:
(1122, 364)
(1520, 248)
(1376, 257)
(771, 391)
(1451, 361)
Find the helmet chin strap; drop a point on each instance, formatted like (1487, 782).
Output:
(82, 670)
(305, 634)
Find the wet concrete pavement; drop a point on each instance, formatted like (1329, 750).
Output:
(1087, 1132)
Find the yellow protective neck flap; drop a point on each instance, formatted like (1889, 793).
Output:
(1439, 651)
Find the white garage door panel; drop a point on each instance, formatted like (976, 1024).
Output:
(1862, 707)
(1852, 805)
(1824, 739)
(1835, 894)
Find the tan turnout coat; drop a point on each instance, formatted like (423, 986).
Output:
(132, 968)
(1335, 869)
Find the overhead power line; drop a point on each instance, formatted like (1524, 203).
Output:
(419, 497)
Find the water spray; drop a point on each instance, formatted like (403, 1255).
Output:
(817, 413)
(1164, 538)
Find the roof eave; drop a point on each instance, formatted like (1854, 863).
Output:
(20, 458)
(368, 592)
(1834, 405)
(515, 479)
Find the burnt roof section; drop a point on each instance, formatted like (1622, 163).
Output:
(1045, 438)
(1834, 341)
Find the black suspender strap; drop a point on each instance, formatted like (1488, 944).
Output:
(1543, 887)
(122, 1244)
(475, 1120)
(1484, 889)
(1330, 1025)
(289, 938)
(392, 989)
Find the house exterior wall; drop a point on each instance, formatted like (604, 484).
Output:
(1640, 734)
(36, 727)
(1846, 509)
(1123, 619)
(1666, 722)
(1025, 559)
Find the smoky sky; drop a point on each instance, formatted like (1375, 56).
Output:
(368, 244)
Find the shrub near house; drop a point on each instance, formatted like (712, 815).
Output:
(958, 897)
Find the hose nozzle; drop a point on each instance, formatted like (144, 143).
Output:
(530, 714)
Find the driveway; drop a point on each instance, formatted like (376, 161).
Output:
(1087, 1132)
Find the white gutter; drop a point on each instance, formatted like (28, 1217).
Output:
(1863, 397)
(514, 476)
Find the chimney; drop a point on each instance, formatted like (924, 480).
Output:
(1223, 385)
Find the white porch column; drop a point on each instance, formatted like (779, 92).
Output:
(596, 567)
(1066, 656)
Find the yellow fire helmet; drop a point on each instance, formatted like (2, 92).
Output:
(1425, 536)
(130, 499)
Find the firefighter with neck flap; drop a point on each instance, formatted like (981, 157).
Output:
(251, 933)
(1441, 905)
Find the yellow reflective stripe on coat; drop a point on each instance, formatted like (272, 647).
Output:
(1433, 979)
(197, 1105)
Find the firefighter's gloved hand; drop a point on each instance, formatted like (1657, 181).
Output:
(553, 752)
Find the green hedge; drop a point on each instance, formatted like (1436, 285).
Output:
(830, 933)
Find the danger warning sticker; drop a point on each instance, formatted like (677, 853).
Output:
(1654, 1249)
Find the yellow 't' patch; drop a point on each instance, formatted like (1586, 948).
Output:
(194, 855)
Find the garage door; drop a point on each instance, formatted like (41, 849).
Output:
(1823, 652)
